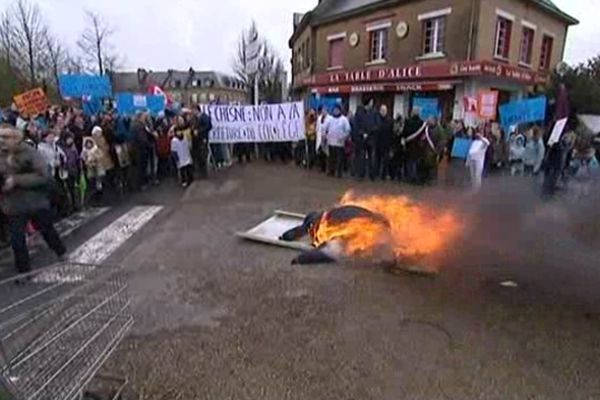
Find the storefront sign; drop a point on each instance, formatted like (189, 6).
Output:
(426, 71)
(257, 124)
(32, 102)
(488, 104)
(386, 87)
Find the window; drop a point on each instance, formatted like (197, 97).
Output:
(336, 53)
(503, 34)
(434, 34)
(526, 46)
(546, 56)
(379, 45)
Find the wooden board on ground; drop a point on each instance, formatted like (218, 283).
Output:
(271, 229)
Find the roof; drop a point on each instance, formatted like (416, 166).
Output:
(331, 10)
(140, 80)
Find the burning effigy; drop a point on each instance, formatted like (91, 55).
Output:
(392, 230)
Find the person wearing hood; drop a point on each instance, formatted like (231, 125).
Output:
(535, 152)
(336, 131)
(106, 161)
(516, 153)
(92, 158)
(25, 190)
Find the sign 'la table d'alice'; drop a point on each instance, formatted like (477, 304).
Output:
(256, 124)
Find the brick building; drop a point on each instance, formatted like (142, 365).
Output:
(187, 87)
(396, 50)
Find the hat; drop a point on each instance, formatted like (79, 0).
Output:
(96, 130)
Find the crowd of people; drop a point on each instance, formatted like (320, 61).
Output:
(372, 144)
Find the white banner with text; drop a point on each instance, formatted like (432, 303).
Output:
(264, 123)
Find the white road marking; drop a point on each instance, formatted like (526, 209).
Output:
(102, 245)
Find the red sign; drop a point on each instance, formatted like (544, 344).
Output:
(386, 87)
(488, 104)
(428, 71)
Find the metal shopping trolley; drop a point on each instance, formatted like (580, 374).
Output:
(58, 327)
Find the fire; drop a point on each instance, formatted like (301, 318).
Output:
(414, 230)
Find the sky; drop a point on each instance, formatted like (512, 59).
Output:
(177, 34)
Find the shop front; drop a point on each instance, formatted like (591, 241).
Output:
(446, 85)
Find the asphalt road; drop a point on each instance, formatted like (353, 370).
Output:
(220, 318)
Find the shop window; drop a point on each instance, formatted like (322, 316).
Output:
(434, 35)
(546, 55)
(336, 53)
(378, 44)
(526, 46)
(503, 35)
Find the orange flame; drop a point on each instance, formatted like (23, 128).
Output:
(414, 230)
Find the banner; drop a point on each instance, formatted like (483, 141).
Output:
(264, 123)
(461, 147)
(488, 104)
(32, 102)
(77, 86)
(427, 107)
(129, 103)
(518, 112)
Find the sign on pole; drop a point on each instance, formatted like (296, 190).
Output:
(256, 124)
(77, 86)
(128, 103)
(488, 104)
(32, 102)
(518, 112)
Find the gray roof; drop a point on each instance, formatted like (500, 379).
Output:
(140, 80)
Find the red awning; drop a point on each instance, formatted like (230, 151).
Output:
(424, 86)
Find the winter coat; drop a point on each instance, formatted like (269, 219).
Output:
(384, 133)
(32, 181)
(106, 161)
(534, 154)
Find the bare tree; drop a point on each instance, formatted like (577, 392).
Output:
(7, 38)
(29, 38)
(94, 43)
(74, 64)
(56, 57)
(241, 58)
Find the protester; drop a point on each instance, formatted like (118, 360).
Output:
(516, 153)
(180, 148)
(535, 152)
(142, 147)
(499, 148)
(336, 131)
(585, 170)
(476, 160)
(321, 141)
(91, 156)
(70, 169)
(311, 138)
(25, 191)
(384, 136)
(398, 150)
(412, 126)
(424, 151)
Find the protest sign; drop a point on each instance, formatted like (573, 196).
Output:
(488, 104)
(263, 123)
(518, 112)
(427, 107)
(559, 127)
(76, 86)
(32, 102)
(461, 147)
(129, 103)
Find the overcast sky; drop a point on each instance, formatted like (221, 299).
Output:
(159, 34)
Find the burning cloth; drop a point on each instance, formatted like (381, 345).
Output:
(384, 229)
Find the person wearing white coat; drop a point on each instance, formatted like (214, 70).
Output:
(476, 160)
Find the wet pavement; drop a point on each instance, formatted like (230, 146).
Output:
(221, 318)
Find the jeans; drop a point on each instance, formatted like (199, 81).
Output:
(336, 161)
(43, 220)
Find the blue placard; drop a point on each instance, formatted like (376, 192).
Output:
(129, 103)
(461, 147)
(518, 112)
(76, 86)
(428, 107)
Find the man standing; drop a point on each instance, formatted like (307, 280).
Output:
(200, 138)
(384, 136)
(412, 125)
(142, 148)
(321, 142)
(25, 195)
(336, 129)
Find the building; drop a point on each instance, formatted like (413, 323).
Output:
(186, 87)
(395, 51)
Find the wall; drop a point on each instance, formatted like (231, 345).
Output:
(301, 72)
(522, 10)
(401, 51)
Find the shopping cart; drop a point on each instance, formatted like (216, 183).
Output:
(58, 327)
